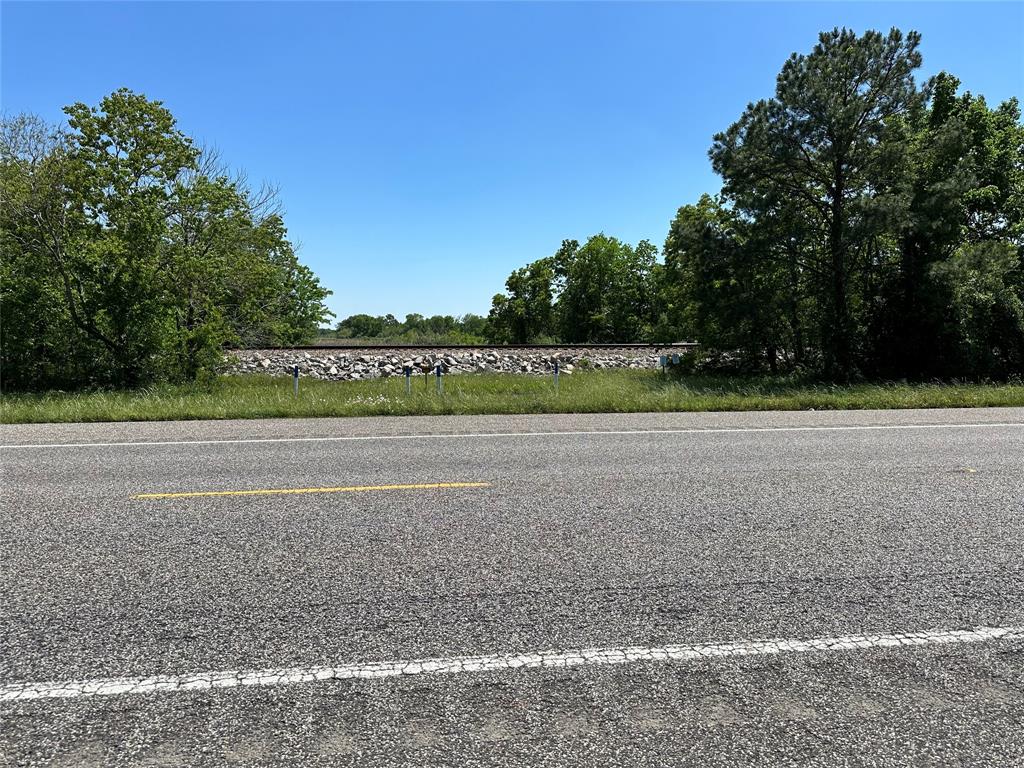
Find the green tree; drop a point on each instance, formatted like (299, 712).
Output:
(986, 286)
(138, 259)
(826, 139)
(607, 291)
(473, 325)
(360, 327)
(124, 156)
(725, 282)
(37, 339)
(526, 312)
(962, 181)
(208, 222)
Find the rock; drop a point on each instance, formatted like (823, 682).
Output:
(371, 364)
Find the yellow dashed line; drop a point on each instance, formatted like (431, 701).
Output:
(292, 491)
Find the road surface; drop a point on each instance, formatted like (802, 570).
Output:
(673, 589)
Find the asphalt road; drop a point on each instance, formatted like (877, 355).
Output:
(588, 532)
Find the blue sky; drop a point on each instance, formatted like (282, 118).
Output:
(425, 150)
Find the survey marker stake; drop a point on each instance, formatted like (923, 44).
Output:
(295, 380)
(440, 385)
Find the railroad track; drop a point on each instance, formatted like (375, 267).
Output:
(677, 346)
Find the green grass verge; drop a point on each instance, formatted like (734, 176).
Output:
(250, 397)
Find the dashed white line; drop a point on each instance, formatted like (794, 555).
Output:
(478, 435)
(115, 686)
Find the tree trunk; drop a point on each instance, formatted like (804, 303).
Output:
(839, 353)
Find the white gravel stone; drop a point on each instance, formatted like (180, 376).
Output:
(362, 364)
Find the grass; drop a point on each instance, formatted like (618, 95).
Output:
(251, 397)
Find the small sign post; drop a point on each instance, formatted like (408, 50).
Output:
(556, 377)
(408, 379)
(664, 361)
(295, 380)
(440, 385)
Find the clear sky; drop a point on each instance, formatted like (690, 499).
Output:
(425, 150)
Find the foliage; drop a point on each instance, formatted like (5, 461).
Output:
(602, 291)
(821, 152)
(985, 283)
(867, 227)
(415, 329)
(606, 290)
(527, 312)
(963, 187)
(130, 257)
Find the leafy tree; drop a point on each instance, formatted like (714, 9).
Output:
(439, 329)
(725, 282)
(963, 187)
(473, 325)
(607, 291)
(361, 326)
(602, 291)
(139, 258)
(985, 281)
(36, 339)
(124, 156)
(527, 312)
(826, 139)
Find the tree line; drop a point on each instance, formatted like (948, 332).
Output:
(415, 329)
(131, 256)
(866, 226)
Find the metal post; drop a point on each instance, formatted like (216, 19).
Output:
(664, 362)
(295, 380)
(440, 386)
(556, 376)
(408, 379)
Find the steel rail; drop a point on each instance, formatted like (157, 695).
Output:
(678, 345)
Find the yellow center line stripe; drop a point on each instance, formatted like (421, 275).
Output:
(292, 491)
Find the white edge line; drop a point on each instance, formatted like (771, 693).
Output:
(473, 435)
(26, 691)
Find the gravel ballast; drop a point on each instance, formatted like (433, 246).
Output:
(355, 364)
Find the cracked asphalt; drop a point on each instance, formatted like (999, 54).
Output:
(579, 541)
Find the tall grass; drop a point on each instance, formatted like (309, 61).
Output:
(245, 397)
